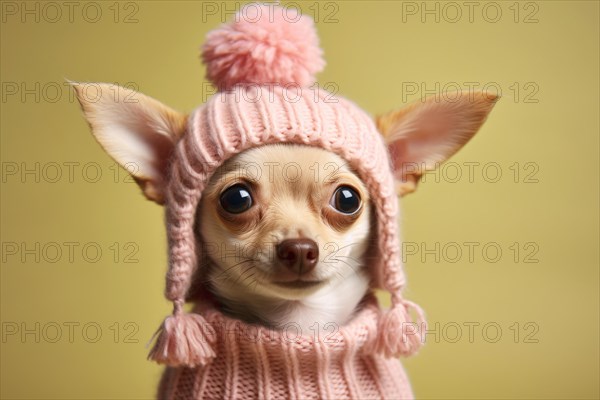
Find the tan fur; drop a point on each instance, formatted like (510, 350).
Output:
(296, 206)
(426, 133)
(140, 119)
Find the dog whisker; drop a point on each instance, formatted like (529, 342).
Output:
(348, 264)
(234, 266)
(248, 277)
(249, 269)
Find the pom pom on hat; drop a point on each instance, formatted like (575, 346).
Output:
(264, 44)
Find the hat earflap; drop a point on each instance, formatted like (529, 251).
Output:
(398, 334)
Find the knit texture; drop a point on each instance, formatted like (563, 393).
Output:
(248, 112)
(258, 363)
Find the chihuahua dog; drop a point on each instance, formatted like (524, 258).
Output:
(280, 212)
(285, 228)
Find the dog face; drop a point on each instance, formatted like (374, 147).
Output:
(284, 220)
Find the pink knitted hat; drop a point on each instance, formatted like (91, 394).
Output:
(263, 64)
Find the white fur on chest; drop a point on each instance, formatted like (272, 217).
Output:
(331, 305)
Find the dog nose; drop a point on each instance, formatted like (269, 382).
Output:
(299, 255)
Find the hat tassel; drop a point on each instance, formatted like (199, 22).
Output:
(398, 334)
(183, 339)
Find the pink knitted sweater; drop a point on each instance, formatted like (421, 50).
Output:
(255, 362)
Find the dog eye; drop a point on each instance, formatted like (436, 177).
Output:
(236, 199)
(346, 200)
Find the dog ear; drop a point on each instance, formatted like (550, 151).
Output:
(426, 133)
(137, 131)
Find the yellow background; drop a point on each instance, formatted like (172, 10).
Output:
(374, 50)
